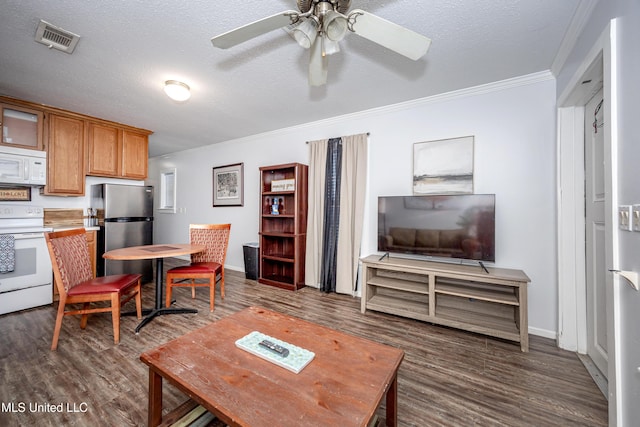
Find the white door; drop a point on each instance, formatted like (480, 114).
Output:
(595, 232)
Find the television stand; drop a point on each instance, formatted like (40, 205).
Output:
(492, 303)
(483, 267)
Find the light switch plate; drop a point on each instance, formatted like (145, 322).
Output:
(624, 217)
(635, 217)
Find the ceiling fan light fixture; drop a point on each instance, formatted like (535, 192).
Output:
(320, 25)
(334, 25)
(318, 64)
(176, 90)
(329, 47)
(305, 33)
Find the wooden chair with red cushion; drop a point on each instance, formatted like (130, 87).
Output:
(71, 262)
(206, 265)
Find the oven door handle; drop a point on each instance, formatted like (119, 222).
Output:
(24, 236)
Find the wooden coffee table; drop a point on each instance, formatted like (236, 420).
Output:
(342, 386)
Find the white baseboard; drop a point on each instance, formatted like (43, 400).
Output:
(543, 333)
(234, 268)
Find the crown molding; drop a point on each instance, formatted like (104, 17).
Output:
(576, 26)
(497, 86)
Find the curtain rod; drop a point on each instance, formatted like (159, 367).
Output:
(307, 142)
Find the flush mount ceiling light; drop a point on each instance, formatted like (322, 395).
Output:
(176, 90)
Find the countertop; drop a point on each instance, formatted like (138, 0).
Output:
(72, 227)
(60, 219)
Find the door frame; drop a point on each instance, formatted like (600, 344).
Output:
(572, 318)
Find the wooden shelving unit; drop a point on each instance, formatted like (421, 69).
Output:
(283, 235)
(459, 296)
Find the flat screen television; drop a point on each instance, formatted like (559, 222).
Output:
(445, 226)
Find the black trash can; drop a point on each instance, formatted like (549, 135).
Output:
(251, 264)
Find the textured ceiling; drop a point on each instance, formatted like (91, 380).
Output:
(129, 48)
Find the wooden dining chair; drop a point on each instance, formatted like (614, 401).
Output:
(206, 265)
(76, 284)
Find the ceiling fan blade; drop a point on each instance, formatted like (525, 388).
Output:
(385, 33)
(318, 64)
(254, 29)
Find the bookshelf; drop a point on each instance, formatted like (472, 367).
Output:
(283, 226)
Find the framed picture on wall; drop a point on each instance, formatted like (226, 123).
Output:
(228, 185)
(15, 194)
(443, 166)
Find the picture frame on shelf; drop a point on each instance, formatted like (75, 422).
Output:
(228, 185)
(283, 185)
(443, 166)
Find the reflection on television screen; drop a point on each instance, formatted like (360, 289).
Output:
(445, 226)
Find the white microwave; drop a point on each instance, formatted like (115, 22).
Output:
(22, 166)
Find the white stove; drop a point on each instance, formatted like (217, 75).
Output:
(25, 266)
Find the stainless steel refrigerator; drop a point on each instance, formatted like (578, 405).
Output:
(125, 217)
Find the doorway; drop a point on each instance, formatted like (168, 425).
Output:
(596, 250)
(592, 250)
(597, 72)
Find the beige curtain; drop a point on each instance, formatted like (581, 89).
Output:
(315, 215)
(352, 194)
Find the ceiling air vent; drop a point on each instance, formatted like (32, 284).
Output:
(56, 37)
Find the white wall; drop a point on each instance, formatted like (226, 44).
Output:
(629, 193)
(81, 202)
(514, 127)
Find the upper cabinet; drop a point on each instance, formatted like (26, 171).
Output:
(116, 152)
(104, 144)
(77, 145)
(135, 154)
(65, 153)
(21, 127)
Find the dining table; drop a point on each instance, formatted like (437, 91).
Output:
(158, 252)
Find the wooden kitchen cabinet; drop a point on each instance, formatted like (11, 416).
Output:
(103, 150)
(77, 145)
(116, 152)
(65, 156)
(21, 127)
(135, 155)
(93, 249)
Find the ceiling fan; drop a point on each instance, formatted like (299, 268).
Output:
(321, 24)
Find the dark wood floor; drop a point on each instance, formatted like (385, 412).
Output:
(448, 377)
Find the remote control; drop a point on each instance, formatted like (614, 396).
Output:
(278, 349)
